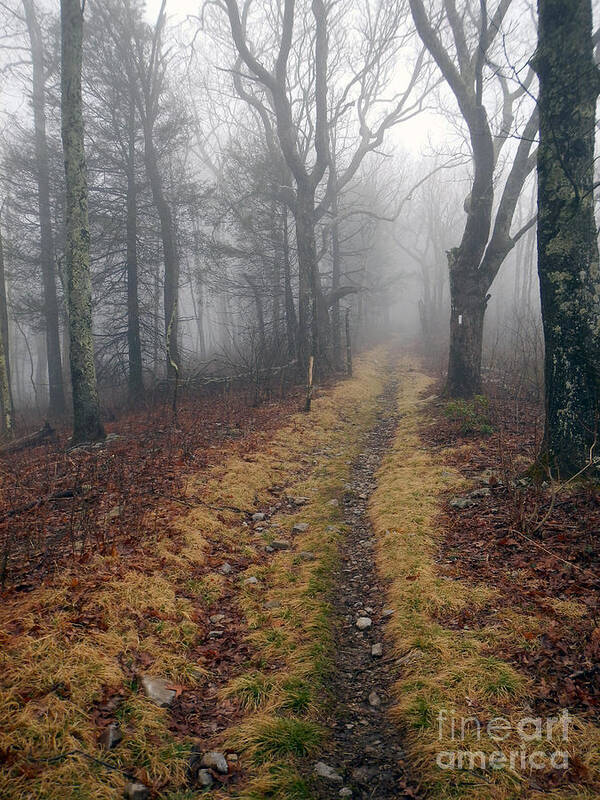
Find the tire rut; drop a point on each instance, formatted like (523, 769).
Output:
(365, 750)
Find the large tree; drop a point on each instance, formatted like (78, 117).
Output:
(87, 424)
(461, 43)
(567, 238)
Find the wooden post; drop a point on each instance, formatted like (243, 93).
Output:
(309, 384)
(348, 345)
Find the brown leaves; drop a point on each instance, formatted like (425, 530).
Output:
(541, 554)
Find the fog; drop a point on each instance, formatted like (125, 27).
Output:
(227, 151)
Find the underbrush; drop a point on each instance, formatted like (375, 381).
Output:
(471, 416)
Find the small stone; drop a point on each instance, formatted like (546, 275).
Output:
(272, 604)
(114, 512)
(226, 568)
(232, 758)
(280, 544)
(369, 610)
(345, 792)
(377, 650)
(269, 549)
(215, 760)
(217, 619)
(362, 623)
(157, 690)
(110, 736)
(325, 771)
(251, 580)
(216, 634)
(205, 779)
(136, 791)
(333, 502)
(362, 496)
(300, 527)
(299, 501)
(374, 699)
(387, 612)
(483, 492)
(460, 502)
(258, 517)
(306, 555)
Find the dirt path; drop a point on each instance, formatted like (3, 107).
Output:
(365, 751)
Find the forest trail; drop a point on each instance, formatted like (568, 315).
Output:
(364, 745)
(241, 601)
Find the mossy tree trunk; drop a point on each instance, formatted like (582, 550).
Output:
(567, 238)
(57, 404)
(87, 425)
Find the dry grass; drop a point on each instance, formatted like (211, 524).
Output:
(285, 689)
(86, 635)
(447, 669)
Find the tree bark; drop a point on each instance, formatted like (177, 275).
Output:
(4, 327)
(291, 322)
(307, 340)
(5, 393)
(336, 259)
(87, 425)
(57, 404)
(170, 254)
(567, 238)
(468, 302)
(135, 378)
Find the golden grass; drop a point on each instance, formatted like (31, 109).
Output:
(452, 671)
(285, 690)
(64, 646)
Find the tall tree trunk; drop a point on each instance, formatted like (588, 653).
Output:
(307, 258)
(6, 404)
(468, 289)
(260, 315)
(468, 302)
(336, 258)
(275, 274)
(5, 400)
(170, 255)
(55, 378)
(136, 382)
(4, 326)
(87, 424)
(567, 238)
(313, 316)
(291, 322)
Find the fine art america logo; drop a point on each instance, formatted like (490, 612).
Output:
(537, 740)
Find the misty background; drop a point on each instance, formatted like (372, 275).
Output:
(395, 220)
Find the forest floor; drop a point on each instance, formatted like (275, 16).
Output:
(284, 605)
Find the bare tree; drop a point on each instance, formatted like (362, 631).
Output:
(304, 141)
(487, 238)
